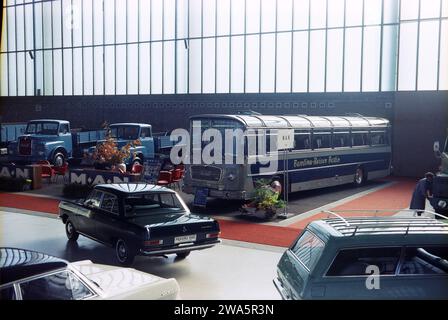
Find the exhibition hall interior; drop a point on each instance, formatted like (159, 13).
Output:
(249, 150)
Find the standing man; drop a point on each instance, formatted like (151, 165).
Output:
(422, 191)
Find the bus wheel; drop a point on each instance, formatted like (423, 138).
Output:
(360, 178)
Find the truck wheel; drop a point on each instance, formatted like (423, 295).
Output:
(70, 231)
(125, 255)
(59, 159)
(360, 178)
(183, 255)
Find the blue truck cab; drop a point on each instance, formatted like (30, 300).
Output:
(52, 140)
(129, 132)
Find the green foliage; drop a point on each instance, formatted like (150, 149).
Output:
(266, 198)
(76, 190)
(14, 184)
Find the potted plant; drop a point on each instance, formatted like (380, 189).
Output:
(107, 154)
(266, 201)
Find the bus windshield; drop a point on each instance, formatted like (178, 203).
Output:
(125, 132)
(44, 128)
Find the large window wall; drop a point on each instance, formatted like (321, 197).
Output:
(109, 47)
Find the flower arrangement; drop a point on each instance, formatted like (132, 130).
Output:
(108, 152)
(266, 198)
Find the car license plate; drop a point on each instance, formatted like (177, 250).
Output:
(182, 239)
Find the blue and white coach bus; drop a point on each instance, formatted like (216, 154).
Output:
(327, 151)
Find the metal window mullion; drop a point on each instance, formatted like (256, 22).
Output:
(380, 87)
(52, 50)
(104, 49)
(175, 46)
(73, 51)
(398, 46)
(115, 47)
(439, 47)
(216, 46)
(362, 47)
(230, 47)
(202, 46)
(292, 48)
(326, 45)
(7, 50)
(15, 37)
(150, 46)
(43, 48)
(82, 45)
(309, 42)
(343, 46)
(275, 46)
(24, 47)
(188, 46)
(93, 49)
(259, 47)
(163, 46)
(245, 46)
(62, 48)
(418, 45)
(126, 30)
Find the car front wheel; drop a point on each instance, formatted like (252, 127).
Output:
(70, 231)
(125, 255)
(183, 255)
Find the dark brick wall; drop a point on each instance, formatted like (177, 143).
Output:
(426, 111)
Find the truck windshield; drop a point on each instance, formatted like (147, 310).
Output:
(48, 128)
(125, 132)
(152, 204)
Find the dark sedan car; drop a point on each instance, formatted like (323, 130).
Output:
(138, 219)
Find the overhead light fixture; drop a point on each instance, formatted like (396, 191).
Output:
(31, 54)
(186, 44)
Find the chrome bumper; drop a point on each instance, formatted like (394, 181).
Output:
(180, 249)
(281, 289)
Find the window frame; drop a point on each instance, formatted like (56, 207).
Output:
(18, 290)
(116, 201)
(307, 269)
(399, 262)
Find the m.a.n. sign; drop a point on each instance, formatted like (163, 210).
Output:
(93, 177)
(15, 172)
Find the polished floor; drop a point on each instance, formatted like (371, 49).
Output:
(231, 270)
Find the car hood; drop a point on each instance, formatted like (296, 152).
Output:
(116, 281)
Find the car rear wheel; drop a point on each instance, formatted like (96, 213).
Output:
(70, 231)
(124, 254)
(183, 255)
(360, 178)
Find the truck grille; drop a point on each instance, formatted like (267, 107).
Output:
(25, 146)
(206, 173)
(440, 187)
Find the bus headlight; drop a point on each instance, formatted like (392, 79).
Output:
(231, 177)
(442, 204)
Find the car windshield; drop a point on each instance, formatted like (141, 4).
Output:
(47, 128)
(125, 132)
(153, 203)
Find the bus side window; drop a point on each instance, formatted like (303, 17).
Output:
(378, 138)
(341, 139)
(301, 141)
(359, 139)
(321, 140)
